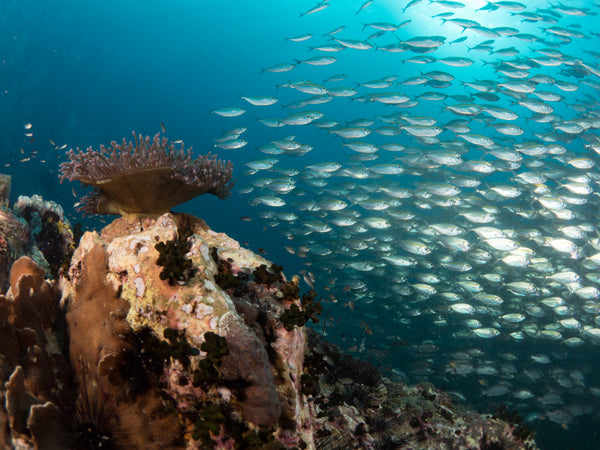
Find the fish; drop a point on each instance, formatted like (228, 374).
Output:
(229, 112)
(300, 37)
(354, 43)
(366, 4)
(318, 7)
(278, 68)
(232, 144)
(318, 60)
(433, 199)
(261, 101)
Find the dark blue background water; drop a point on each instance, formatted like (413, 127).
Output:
(86, 73)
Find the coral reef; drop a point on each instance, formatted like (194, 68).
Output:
(49, 229)
(35, 228)
(33, 370)
(5, 181)
(150, 177)
(14, 241)
(117, 356)
(357, 408)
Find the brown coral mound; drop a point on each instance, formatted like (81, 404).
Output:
(97, 329)
(33, 371)
(150, 177)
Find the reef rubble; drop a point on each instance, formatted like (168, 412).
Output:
(165, 334)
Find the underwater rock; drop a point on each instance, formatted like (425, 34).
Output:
(197, 306)
(35, 228)
(49, 230)
(14, 234)
(195, 363)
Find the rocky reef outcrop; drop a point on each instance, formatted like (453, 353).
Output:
(165, 334)
(32, 227)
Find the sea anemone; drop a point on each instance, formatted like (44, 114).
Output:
(150, 177)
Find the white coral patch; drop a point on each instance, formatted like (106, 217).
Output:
(204, 252)
(140, 286)
(203, 310)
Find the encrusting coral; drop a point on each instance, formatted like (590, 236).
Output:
(150, 177)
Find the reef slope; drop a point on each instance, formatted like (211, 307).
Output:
(166, 334)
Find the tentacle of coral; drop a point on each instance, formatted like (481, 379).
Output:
(115, 171)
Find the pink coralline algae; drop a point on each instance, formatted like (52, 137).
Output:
(207, 361)
(148, 177)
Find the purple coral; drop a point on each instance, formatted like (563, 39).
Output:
(149, 177)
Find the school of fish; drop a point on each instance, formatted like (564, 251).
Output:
(448, 204)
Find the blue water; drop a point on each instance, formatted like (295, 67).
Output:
(86, 73)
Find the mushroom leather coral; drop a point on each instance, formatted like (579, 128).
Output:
(150, 177)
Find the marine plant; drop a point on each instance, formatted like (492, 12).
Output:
(209, 423)
(215, 420)
(145, 177)
(224, 277)
(294, 316)
(179, 347)
(260, 440)
(216, 348)
(262, 275)
(291, 289)
(176, 267)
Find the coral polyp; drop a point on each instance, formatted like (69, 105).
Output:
(145, 177)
